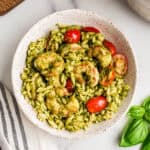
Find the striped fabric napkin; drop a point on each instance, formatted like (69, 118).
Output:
(12, 133)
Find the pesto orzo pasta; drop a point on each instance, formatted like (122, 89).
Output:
(74, 77)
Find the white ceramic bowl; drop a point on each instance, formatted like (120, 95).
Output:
(42, 28)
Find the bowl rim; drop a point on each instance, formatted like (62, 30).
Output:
(134, 86)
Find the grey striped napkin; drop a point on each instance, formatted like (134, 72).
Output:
(12, 133)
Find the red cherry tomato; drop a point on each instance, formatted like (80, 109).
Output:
(108, 79)
(96, 104)
(69, 85)
(110, 46)
(90, 29)
(120, 64)
(72, 36)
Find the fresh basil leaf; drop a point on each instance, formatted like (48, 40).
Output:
(146, 144)
(135, 133)
(123, 141)
(147, 116)
(136, 112)
(146, 103)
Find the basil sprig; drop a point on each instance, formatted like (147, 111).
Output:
(137, 129)
(146, 103)
(136, 112)
(135, 133)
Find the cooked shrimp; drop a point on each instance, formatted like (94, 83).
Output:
(65, 110)
(71, 48)
(52, 104)
(88, 69)
(49, 64)
(61, 91)
(102, 54)
(73, 104)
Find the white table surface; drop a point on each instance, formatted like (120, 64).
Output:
(15, 24)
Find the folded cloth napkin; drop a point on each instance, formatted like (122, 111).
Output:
(12, 133)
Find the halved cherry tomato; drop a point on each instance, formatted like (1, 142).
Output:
(108, 79)
(120, 64)
(90, 29)
(69, 85)
(111, 47)
(72, 36)
(96, 104)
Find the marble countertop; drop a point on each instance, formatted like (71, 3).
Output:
(16, 23)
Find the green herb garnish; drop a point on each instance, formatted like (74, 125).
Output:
(137, 129)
